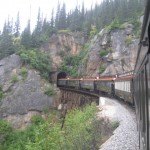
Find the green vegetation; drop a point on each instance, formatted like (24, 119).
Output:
(14, 78)
(49, 91)
(37, 60)
(104, 52)
(115, 124)
(93, 31)
(61, 53)
(64, 31)
(72, 63)
(81, 131)
(137, 27)
(102, 69)
(128, 40)
(115, 25)
(1, 92)
(24, 73)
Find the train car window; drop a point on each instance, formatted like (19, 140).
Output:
(129, 86)
(124, 86)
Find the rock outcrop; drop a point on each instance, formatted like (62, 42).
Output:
(62, 44)
(22, 94)
(112, 52)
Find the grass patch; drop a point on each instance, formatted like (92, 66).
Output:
(14, 78)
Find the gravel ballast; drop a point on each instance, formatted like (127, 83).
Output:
(125, 137)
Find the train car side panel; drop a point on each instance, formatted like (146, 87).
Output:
(87, 84)
(104, 86)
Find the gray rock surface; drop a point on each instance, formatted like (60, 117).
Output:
(9, 65)
(121, 50)
(125, 136)
(24, 95)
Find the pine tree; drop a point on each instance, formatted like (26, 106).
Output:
(6, 42)
(57, 16)
(26, 37)
(17, 26)
(52, 19)
(62, 17)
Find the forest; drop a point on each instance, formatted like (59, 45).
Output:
(80, 19)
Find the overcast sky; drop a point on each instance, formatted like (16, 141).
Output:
(29, 8)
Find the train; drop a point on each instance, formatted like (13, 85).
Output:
(120, 86)
(134, 87)
(141, 83)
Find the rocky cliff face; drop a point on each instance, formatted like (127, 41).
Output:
(109, 53)
(23, 92)
(112, 52)
(62, 44)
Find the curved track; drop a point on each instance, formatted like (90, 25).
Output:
(126, 135)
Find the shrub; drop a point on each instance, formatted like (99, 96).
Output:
(24, 73)
(1, 92)
(37, 60)
(61, 53)
(4, 127)
(115, 124)
(115, 25)
(49, 91)
(136, 29)
(104, 52)
(81, 131)
(128, 40)
(101, 69)
(14, 78)
(37, 119)
(93, 31)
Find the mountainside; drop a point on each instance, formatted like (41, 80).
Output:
(112, 51)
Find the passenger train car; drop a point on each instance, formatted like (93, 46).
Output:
(120, 86)
(124, 87)
(142, 83)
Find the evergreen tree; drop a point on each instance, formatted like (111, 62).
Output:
(6, 42)
(62, 17)
(52, 20)
(26, 36)
(36, 42)
(17, 26)
(57, 23)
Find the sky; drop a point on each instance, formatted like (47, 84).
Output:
(29, 9)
